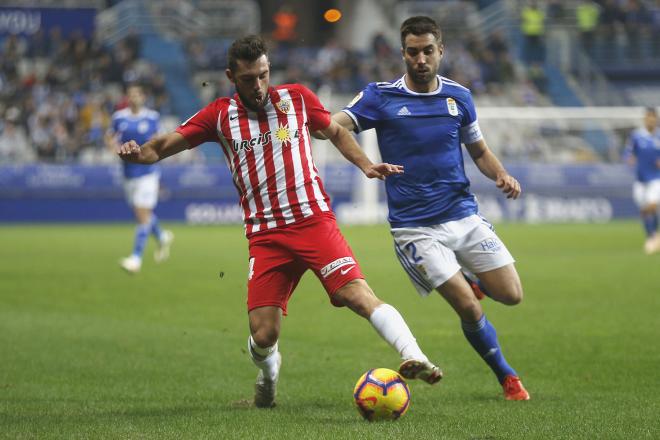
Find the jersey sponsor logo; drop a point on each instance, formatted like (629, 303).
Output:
(490, 245)
(282, 134)
(452, 107)
(284, 105)
(333, 267)
(403, 111)
(233, 117)
(355, 100)
(249, 144)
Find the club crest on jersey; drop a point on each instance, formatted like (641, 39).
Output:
(452, 107)
(355, 100)
(284, 105)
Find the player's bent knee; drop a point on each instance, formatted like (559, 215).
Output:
(513, 295)
(470, 311)
(265, 336)
(357, 296)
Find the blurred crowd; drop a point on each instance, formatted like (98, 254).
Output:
(485, 65)
(610, 30)
(57, 94)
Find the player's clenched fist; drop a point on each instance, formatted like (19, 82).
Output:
(129, 150)
(509, 186)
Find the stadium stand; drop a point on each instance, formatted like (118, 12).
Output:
(57, 91)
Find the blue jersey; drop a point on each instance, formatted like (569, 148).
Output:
(139, 127)
(645, 147)
(423, 132)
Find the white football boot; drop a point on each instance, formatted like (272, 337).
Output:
(418, 369)
(163, 252)
(265, 389)
(131, 264)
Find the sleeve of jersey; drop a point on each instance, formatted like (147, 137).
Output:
(200, 127)
(363, 109)
(470, 130)
(318, 116)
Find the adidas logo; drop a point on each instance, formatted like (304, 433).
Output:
(403, 111)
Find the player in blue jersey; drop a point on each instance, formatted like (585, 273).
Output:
(141, 182)
(643, 151)
(421, 119)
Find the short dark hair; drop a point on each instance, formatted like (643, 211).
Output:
(652, 111)
(420, 25)
(248, 48)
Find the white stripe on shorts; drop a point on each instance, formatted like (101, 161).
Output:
(415, 275)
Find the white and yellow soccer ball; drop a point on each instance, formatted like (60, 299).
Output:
(381, 394)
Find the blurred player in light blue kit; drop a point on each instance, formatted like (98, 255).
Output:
(421, 119)
(643, 151)
(141, 182)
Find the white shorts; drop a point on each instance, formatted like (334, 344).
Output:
(142, 192)
(647, 193)
(431, 255)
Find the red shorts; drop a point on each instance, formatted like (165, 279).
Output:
(279, 258)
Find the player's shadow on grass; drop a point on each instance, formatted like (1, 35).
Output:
(320, 410)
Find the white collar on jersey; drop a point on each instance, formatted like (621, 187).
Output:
(128, 113)
(434, 92)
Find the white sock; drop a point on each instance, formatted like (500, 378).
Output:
(390, 325)
(264, 358)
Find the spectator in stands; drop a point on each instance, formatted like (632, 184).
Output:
(654, 17)
(14, 143)
(95, 121)
(285, 20)
(497, 44)
(611, 21)
(636, 27)
(586, 14)
(533, 28)
(41, 138)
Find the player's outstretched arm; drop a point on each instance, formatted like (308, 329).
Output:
(349, 148)
(154, 150)
(491, 167)
(342, 119)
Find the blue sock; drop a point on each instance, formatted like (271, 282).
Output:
(483, 338)
(650, 224)
(141, 235)
(155, 227)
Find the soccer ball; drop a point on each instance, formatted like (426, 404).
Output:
(381, 394)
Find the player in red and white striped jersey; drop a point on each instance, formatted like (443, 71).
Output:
(264, 133)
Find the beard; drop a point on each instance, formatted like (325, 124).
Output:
(250, 104)
(421, 78)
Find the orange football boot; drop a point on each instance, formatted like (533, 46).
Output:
(514, 389)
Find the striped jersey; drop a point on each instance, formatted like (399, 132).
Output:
(423, 132)
(268, 153)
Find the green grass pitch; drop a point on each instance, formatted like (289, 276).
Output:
(87, 351)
